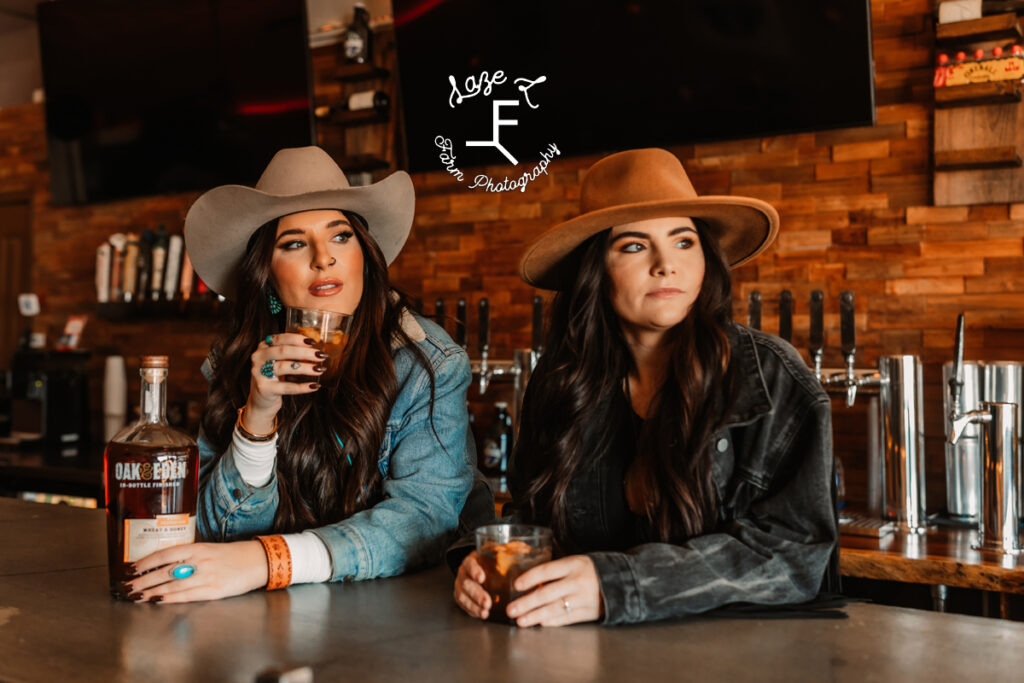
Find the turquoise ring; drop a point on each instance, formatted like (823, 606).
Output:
(268, 369)
(269, 340)
(183, 571)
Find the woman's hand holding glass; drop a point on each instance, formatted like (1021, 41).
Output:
(564, 591)
(286, 354)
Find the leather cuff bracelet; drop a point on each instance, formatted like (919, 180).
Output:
(249, 436)
(279, 561)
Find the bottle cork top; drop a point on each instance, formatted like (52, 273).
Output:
(154, 361)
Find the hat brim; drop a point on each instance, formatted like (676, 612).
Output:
(219, 224)
(744, 227)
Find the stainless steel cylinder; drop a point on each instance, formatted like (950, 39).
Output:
(902, 402)
(999, 518)
(875, 463)
(963, 459)
(1003, 382)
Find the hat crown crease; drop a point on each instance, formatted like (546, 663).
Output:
(635, 178)
(301, 171)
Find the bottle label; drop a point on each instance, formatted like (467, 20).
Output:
(167, 471)
(145, 536)
(361, 100)
(353, 45)
(492, 454)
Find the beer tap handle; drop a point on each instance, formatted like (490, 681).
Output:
(754, 310)
(537, 330)
(485, 327)
(786, 315)
(484, 339)
(956, 380)
(817, 333)
(848, 332)
(439, 312)
(847, 326)
(461, 321)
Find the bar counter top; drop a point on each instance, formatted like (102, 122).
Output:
(58, 622)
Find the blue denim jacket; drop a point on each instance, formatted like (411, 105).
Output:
(425, 485)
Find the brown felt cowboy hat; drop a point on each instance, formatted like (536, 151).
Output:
(636, 185)
(221, 221)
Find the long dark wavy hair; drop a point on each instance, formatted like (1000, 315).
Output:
(320, 480)
(585, 364)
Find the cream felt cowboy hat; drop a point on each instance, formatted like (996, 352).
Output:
(636, 185)
(221, 221)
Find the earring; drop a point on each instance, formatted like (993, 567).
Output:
(273, 303)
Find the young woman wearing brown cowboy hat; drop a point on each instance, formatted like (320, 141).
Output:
(684, 461)
(361, 475)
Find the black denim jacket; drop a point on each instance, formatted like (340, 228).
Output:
(772, 473)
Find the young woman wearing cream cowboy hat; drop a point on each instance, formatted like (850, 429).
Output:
(361, 475)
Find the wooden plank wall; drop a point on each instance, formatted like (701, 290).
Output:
(856, 214)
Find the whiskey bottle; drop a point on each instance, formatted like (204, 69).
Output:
(151, 471)
(358, 41)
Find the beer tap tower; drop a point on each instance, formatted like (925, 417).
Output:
(896, 482)
(487, 369)
(999, 507)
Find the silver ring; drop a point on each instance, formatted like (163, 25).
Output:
(566, 605)
(296, 365)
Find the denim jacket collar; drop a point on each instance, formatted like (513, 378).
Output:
(412, 329)
(753, 399)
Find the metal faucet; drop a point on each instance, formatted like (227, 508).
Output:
(850, 378)
(519, 368)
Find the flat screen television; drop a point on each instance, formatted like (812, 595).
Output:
(621, 74)
(148, 97)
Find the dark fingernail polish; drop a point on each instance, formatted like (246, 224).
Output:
(319, 368)
(135, 597)
(309, 341)
(314, 385)
(321, 354)
(157, 598)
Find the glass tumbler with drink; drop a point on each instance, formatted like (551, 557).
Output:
(329, 331)
(505, 552)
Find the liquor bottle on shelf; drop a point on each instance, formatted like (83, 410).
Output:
(151, 473)
(376, 100)
(145, 267)
(156, 281)
(172, 271)
(359, 37)
(117, 245)
(104, 254)
(131, 265)
(497, 443)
